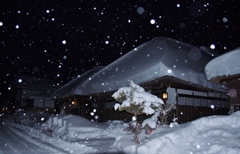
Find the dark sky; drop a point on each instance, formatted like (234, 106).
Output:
(59, 39)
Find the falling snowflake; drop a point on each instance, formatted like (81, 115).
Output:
(152, 21)
(212, 46)
(134, 118)
(225, 19)
(212, 106)
(140, 10)
(64, 41)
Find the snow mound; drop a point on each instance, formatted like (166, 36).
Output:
(214, 134)
(207, 135)
(116, 128)
(73, 127)
(151, 123)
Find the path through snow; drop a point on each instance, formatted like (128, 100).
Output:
(22, 139)
(104, 145)
(12, 141)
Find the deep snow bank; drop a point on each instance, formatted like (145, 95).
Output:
(72, 127)
(207, 135)
(210, 135)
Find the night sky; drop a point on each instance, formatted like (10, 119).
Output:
(59, 40)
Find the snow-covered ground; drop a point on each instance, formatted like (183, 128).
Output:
(75, 134)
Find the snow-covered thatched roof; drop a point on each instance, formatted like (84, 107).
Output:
(73, 87)
(225, 66)
(157, 58)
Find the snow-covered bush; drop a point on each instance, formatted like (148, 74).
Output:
(174, 123)
(136, 101)
(163, 112)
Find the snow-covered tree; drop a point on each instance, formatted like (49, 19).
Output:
(137, 101)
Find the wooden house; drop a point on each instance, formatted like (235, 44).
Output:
(161, 66)
(225, 69)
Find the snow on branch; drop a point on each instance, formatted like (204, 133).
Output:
(136, 100)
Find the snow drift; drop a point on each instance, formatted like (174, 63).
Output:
(210, 135)
(71, 127)
(207, 135)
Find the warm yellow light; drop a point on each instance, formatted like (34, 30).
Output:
(165, 95)
(73, 102)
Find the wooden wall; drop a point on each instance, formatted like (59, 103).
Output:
(189, 113)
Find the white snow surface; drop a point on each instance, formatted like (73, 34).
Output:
(73, 87)
(72, 127)
(224, 65)
(152, 60)
(136, 95)
(207, 135)
(151, 123)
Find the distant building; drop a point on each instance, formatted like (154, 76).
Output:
(32, 92)
(162, 66)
